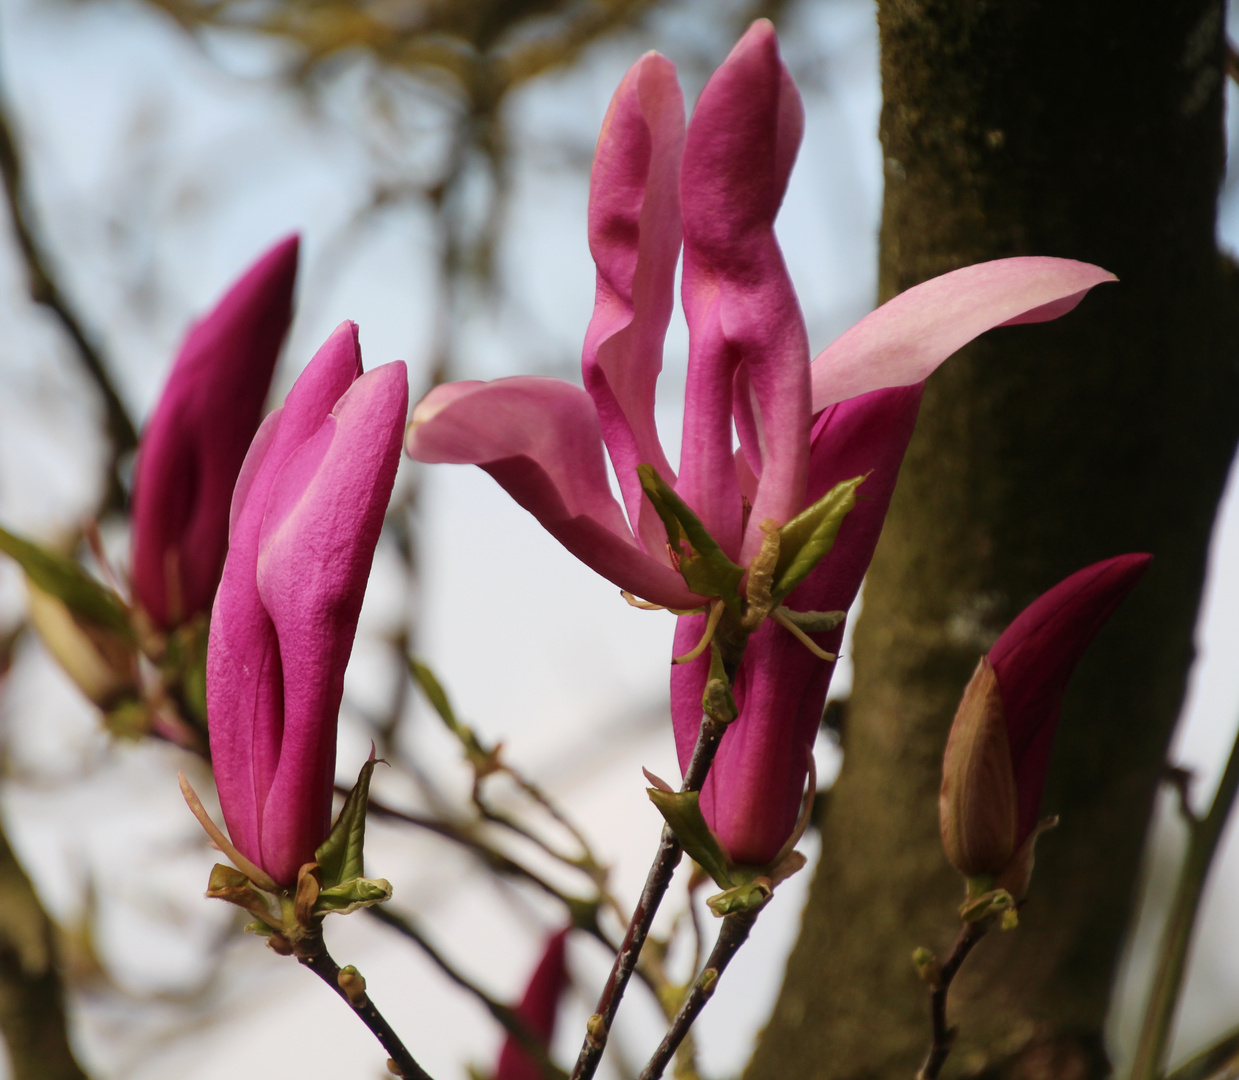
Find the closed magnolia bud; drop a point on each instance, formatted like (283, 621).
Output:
(978, 805)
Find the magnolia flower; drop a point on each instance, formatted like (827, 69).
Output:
(196, 439)
(306, 515)
(537, 1011)
(998, 752)
(715, 190)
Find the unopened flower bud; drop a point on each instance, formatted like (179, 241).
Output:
(978, 804)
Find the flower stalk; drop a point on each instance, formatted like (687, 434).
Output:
(1204, 835)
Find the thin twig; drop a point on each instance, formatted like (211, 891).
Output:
(504, 1015)
(1204, 835)
(464, 836)
(732, 934)
(1218, 1061)
(656, 883)
(45, 290)
(312, 953)
(943, 1035)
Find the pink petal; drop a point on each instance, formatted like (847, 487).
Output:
(904, 340)
(245, 677)
(538, 1010)
(1034, 657)
(741, 308)
(324, 513)
(753, 794)
(634, 233)
(197, 437)
(540, 439)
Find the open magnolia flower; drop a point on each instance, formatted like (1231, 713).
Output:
(803, 427)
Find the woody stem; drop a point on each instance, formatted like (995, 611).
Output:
(657, 880)
(970, 933)
(312, 952)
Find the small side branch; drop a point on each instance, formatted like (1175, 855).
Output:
(312, 953)
(656, 884)
(733, 933)
(502, 1014)
(943, 1034)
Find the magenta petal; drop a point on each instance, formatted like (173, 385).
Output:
(538, 1010)
(1035, 656)
(634, 235)
(904, 340)
(738, 299)
(540, 439)
(245, 677)
(324, 514)
(197, 437)
(755, 789)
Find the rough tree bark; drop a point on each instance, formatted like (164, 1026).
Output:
(1083, 128)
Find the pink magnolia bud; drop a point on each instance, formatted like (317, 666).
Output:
(196, 439)
(306, 517)
(537, 1011)
(998, 752)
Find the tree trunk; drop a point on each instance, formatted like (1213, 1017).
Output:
(1090, 129)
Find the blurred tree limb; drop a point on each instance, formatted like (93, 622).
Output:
(1050, 128)
(32, 1014)
(45, 290)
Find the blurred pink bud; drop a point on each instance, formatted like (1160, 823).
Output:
(306, 516)
(537, 1011)
(998, 752)
(196, 439)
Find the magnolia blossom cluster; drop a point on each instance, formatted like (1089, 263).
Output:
(297, 501)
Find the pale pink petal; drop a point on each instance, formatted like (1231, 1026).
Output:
(738, 299)
(540, 439)
(323, 517)
(904, 340)
(634, 234)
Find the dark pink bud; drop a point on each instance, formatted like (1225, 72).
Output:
(306, 517)
(1035, 656)
(197, 437)
(998, 752)
(537, 1011)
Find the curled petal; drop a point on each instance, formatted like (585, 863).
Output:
(634, 236)
(904, 341)
(540, 439)
(741, 308)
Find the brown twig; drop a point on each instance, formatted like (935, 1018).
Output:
(732, 934)
(45, 290)
(943, 1035)
(312, 953)
(504, 1015)
(656, 883)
